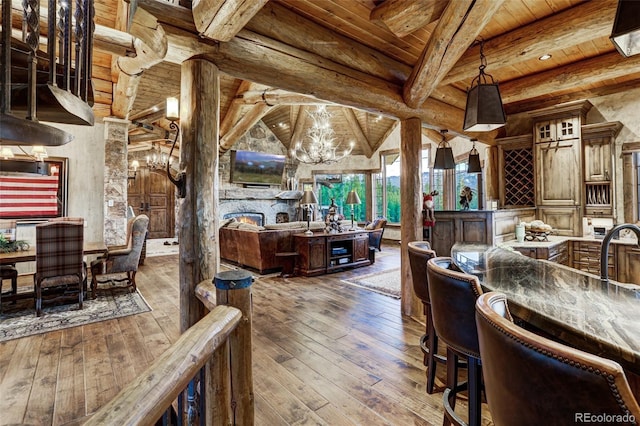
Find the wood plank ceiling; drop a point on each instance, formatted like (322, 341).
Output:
(388, 59)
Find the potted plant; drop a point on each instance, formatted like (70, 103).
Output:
(7, 246)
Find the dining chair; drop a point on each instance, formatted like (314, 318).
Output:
(9, 271)
(59, 261)
(120, 263)
(531, 380)
(453, 297)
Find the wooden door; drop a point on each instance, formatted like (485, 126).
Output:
(152, 193)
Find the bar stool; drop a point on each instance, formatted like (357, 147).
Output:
(531, 380)
(453, 296)
(419, 253)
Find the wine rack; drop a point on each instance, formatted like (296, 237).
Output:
(518, 177)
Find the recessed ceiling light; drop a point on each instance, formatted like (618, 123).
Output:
(545, 57)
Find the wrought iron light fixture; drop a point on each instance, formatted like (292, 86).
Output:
(307, 201)
(352, 200)
(172, 113)
(444, 154)
(484, 111)
(134, 168)
(473, 165)
(625, 34)
(321, 148)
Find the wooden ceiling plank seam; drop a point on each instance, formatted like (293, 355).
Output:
(587, 21)
(458, 27)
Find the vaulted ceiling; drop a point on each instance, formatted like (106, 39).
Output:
(372, 61)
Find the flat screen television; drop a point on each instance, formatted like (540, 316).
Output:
(257, 168)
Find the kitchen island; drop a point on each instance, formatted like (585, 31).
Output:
(572, 306)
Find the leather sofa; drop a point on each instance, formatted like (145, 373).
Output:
(255, 247)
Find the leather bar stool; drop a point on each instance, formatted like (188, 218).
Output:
(453, 296)
(531, 380)
(419, 253)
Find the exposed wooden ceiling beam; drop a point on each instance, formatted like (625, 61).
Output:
(582, 23)
(298, 128)
(361, 139)
(151, 47)
(248, 120)
(235, 110)
(459, 25)
(402, 17)
(276, 97)
(222, 19)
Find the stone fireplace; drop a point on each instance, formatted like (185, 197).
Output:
(273, 205)
(254, 218)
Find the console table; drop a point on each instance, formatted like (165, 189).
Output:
(324, 253)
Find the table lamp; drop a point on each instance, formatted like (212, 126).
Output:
(352, 200)
(307, 201)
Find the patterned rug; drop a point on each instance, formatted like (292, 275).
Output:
(21, 322)
(387, 283)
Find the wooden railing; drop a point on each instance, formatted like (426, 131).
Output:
(209, 346)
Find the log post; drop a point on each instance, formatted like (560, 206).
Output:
(233, 288)
(199, 121)
(410, 205)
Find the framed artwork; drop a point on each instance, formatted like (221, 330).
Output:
(33, 189)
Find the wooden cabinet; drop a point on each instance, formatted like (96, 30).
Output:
(564, 219)
(558, 253)
(557, 129)
(599, 171)
(585, 256)
(628, 258)
(558, 168)
(466, 226)
(323, 253)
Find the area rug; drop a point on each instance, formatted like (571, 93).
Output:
(108, 305)
(387, 283)
(162, 247)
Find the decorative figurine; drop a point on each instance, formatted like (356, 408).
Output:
(466, 195)
(332, 220)
(428, 213)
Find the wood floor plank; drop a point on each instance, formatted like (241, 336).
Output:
(100, 382)
(40, 408)
(70, 395)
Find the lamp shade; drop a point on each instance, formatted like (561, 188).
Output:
(352, 198)
(308, 198)
(473, 165)
(625, 34)
(172, 111)
(484, 111)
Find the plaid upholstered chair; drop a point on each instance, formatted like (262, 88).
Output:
(59, 261)
(120, 264)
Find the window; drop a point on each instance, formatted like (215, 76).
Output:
(471, 180)
(391, 192)
(337, 187)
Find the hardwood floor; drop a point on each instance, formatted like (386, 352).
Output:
(324, 352)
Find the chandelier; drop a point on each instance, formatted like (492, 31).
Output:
(157, 159)
(321, 147)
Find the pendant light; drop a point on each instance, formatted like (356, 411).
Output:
(473, 165)
(444, 154)
(625, 34)
(484, 111)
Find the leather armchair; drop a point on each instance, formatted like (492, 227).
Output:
(120, 264)
(531, 380)
(376, 231)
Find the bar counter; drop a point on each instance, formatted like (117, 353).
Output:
(572, 306)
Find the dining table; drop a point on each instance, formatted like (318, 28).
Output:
(571, 306)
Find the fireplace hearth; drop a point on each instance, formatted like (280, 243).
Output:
(254, 218)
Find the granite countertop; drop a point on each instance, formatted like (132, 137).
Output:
(557, 239)
(576, 307)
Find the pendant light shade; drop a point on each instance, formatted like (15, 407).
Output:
(625, 34)
(444, 155)
(473, 165)
(484, 111)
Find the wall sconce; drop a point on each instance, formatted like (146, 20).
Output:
(307, 201)
(6, 153)
(173, 114)
(625, 34)
(352, 200)
(473, 165)
(134, 166)
(484, 111)
(444, 154)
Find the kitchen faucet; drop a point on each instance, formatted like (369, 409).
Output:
(606, 242)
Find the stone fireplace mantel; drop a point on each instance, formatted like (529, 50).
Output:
(271, 202)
